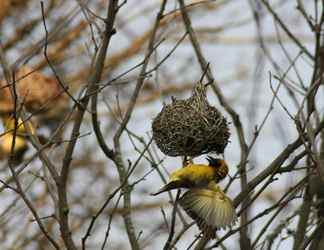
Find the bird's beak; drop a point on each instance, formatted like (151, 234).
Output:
(215, 162)
(169, 186)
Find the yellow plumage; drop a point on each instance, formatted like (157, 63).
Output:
(205, 202)
(6, 144)
(9, 124)
(6, 140)
(197, 175)
(210, 208)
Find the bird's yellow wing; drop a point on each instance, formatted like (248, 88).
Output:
(211, 209)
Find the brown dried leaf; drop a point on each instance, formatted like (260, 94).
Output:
(37, 91)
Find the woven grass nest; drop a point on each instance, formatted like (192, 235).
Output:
(190, 127)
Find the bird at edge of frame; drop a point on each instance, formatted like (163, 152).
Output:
(205, 202)
(14, 132)
(6, 138)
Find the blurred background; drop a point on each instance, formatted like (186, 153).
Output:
(266, 62)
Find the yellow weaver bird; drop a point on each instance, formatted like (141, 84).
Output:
(6, 140)
(205, 202)
(196, 175)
